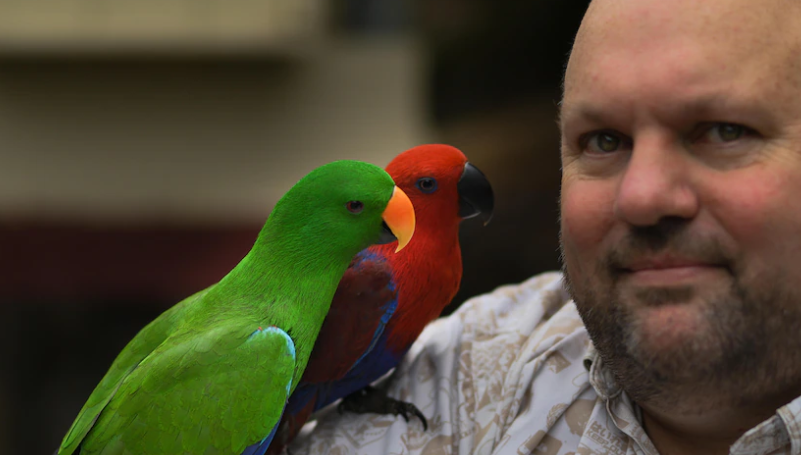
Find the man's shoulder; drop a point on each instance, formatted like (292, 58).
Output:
(533, 301)
(498, 343)
(537, 308)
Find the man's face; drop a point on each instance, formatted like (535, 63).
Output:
(681, 190)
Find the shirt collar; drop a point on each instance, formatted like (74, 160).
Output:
(601, 379)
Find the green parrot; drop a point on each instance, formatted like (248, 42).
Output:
(212, 374)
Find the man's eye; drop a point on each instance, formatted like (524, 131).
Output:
(724, 132)
(721, 133)
(602, 142)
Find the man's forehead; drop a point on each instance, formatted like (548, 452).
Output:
(742, 25)
(715, 16)
(653, 45)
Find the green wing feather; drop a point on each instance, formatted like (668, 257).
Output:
(192, 394)
(142, 345)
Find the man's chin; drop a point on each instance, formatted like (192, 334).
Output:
(669, 330)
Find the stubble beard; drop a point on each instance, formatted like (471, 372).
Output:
(750, 348)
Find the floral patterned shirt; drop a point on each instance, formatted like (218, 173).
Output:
(513, 372)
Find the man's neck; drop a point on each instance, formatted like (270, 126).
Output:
(711, 431)
(693, 435)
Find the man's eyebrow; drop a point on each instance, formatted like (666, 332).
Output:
(573, 111)
(713, 104)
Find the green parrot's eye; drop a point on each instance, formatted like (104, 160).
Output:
(355, 206)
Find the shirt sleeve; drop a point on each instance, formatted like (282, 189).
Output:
(468, 373)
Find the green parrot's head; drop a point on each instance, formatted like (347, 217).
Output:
(344, 207)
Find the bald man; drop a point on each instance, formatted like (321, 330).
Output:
(675, 327)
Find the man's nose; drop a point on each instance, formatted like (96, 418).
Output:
(656, 184)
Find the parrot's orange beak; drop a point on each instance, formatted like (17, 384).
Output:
(399, 217)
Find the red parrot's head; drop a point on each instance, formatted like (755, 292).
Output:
(442, 185)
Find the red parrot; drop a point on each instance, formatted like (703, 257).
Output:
(384, 300)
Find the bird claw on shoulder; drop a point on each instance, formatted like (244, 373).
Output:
(373, 400)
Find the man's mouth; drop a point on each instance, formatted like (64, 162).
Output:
(663, 262)
(666, 271)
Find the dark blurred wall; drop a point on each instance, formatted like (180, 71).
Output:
(72, 296)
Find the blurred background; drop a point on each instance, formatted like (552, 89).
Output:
(144, 142)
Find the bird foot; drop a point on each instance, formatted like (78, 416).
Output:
(370, 399)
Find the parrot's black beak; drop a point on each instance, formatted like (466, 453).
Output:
(475, 194)
(386, 235)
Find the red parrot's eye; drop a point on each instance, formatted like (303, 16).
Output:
(355, 206)
(427, 184)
